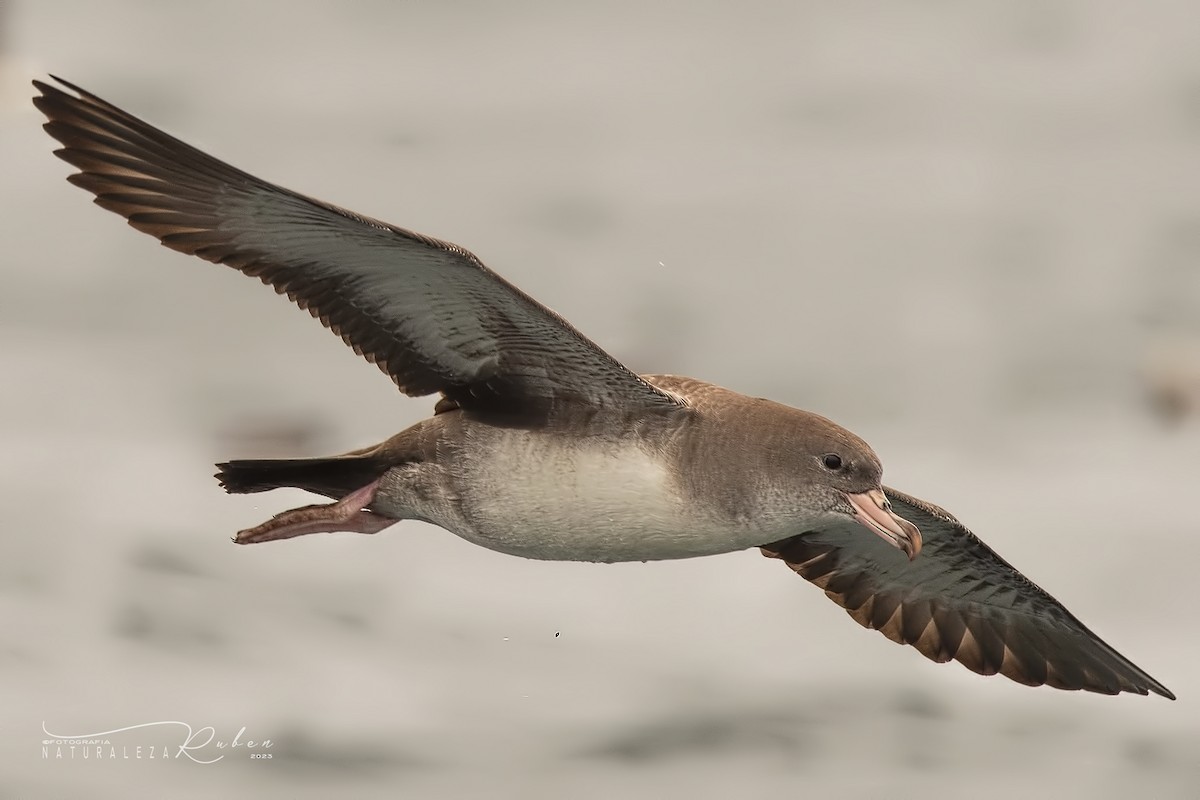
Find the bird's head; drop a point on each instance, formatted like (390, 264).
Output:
(845, 479)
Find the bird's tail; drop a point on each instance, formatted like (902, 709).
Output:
(334, 476)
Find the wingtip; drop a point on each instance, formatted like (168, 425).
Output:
(1162, 691)
(46, 88)
(65, 83)
(49, 94)
(49, 90)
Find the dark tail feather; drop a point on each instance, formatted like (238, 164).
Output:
(335, 477)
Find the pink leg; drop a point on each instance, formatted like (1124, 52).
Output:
(348, 514)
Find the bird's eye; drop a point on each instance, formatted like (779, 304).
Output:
(832, 461)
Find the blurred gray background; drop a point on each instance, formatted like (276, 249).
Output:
(969, 232)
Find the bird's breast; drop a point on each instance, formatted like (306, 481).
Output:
(541, 495)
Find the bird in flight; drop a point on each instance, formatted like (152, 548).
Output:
(544, 446)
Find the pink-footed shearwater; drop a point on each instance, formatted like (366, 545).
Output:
(544, 446)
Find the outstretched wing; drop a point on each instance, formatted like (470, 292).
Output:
(427, 312)
(959, 600)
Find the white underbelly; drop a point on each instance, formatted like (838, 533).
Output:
(535, 498)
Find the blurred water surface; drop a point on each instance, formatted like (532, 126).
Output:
(968, 232)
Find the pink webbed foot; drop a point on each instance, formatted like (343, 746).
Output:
(348, 515)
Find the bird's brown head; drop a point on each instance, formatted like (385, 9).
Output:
(846, 479)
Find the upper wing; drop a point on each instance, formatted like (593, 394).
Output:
(959, 600)
(428, 313)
